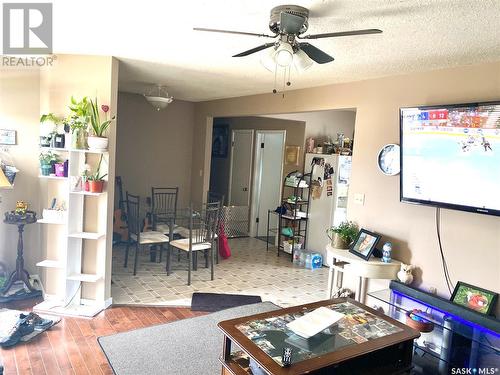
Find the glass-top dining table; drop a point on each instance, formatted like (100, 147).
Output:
(174, 224)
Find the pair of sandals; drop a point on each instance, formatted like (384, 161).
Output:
(25, 325)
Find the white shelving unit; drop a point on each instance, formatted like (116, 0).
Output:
(75, 286)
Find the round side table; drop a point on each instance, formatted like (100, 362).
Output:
(20, 274)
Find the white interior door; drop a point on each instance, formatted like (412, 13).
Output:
(268, 172)
(240, 172)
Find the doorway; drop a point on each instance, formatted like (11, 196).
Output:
(268, 177)
(240, 171)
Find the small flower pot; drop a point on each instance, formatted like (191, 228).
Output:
(86, 186)
(59, 169)
(45, 169)
(339, 243)
(97, 143)
(96, 186)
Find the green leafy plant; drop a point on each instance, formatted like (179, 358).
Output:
(50, 117)
(347, 230)
(48, 158)
(99, 128)
(96, 175)
(80, 114)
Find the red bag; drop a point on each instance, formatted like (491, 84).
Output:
(224, 249)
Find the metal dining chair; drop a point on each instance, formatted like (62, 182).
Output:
(202, 231)
(213, 197)
(136, 235)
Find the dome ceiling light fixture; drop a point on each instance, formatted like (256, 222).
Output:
(158, 97)
(288, 23)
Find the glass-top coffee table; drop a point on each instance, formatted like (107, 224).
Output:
(364, 337)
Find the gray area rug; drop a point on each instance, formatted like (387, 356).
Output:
(184, 347)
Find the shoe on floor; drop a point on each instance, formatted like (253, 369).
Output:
(22, 328)
(40, 324)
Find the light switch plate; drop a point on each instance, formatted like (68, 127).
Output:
(359, 198)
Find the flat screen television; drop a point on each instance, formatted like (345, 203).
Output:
(450, 156)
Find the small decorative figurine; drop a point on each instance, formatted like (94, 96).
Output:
(386, 252)
(310, 145)
(404, 275)
(21, 207)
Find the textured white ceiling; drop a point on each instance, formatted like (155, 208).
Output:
(155, 42)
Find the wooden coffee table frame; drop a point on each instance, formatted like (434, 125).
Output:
(231, 333)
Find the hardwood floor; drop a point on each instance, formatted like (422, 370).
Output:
(71, 346)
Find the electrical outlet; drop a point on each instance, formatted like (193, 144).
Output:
(359, 198)
(432, 290)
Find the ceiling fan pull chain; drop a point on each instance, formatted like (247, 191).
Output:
(275, 78)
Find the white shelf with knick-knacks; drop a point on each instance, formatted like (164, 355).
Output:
(75, 223)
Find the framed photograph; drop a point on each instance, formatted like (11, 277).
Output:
(8, 137)
(292, 155)
(364, 244)
(472, 297)
(220, 141)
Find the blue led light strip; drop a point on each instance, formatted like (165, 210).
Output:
(456, 317)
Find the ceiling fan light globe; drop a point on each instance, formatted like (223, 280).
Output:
(267, 59)
(284, 55)
(301, 61)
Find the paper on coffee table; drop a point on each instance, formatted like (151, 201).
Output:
(314, 322)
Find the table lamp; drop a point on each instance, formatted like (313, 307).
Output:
(4, 182)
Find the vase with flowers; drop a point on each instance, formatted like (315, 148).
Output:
(78, 122)
(96, 179)
(342, 235)
(99, 127)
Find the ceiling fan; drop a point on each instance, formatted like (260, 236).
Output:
(288, 23)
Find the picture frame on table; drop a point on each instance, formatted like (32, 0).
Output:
(474, 298)
(364, 244)
(220, 141)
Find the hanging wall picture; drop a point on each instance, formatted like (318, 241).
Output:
(8, 137)
(220, 141)
(292, 154)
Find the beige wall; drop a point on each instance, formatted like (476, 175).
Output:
(324, 125)
(154, 147)
(471, 241)
(219, 179)
(20, 110)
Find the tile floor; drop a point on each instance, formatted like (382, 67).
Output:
(250, 270)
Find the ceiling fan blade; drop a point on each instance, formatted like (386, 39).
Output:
(232, 32)
(253, 50)
(342, 33)
(315, 53)
(290, 23)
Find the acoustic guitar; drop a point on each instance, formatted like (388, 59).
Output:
(120, 227)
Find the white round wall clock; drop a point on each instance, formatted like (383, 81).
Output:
(389, 159)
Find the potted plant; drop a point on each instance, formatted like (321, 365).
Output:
(48, 124)
(96, 180)
(47, 162)
(78, 122)
(98, 140)
(342, 235)
(85, 177)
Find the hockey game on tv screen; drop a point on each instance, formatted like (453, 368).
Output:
(451, 155)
